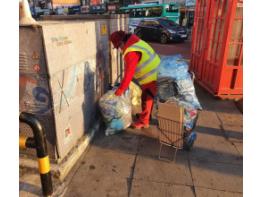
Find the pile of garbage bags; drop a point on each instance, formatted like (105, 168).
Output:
(175, 84)
(116, 111)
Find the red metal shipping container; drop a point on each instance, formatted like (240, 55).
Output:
(217, 47)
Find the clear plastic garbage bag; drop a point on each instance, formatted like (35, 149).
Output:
(116, 111)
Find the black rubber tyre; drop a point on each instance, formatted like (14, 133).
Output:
(164, 39)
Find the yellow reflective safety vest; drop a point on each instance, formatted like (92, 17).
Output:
(146, 70)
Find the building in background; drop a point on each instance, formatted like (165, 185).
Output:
(114, 5)
(187, 8)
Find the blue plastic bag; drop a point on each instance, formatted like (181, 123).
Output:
(175, 82)
(173, 67)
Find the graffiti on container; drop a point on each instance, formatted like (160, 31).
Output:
(71, 85)
(33, 95)
(69, 88)
(41, 95)
(61, 40)
(67, 134)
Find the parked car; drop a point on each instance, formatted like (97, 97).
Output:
(162, 30)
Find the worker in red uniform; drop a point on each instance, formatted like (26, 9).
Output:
(141, 64)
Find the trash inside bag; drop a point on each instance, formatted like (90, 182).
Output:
(166, 88)
(116, 111)
(175, 82)
(136, 93)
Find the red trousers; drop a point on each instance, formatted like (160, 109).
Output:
(149, 91)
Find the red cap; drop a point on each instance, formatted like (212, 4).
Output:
(116, 38)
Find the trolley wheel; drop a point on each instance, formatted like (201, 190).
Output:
(188, 147)
(189, 143)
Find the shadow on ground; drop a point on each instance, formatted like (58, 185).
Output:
(212, 103)
(149, 148)
(30, 188)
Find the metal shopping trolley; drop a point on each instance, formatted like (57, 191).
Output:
(172, 130)
(170, 122)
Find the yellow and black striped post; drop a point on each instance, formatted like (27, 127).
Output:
(38, 142)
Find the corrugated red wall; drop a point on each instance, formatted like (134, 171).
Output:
(217, 47)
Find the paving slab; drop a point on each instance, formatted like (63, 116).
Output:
(208, 119)
(149, 169)
(105, 169)
(100, 162)
(122, 142)
(234, 133)
(204, 192)
(234, 119)
(104, 172)
(105, 186)
(226, 177)
(155, 189)
(214, 148)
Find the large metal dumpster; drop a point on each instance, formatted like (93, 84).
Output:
(65, 66)
(57, 81)
(217, 47)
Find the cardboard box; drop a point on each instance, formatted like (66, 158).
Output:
(170, 121)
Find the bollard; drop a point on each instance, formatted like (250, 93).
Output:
(38, 142)
(25, 142)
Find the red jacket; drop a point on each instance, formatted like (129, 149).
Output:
(131, 60)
